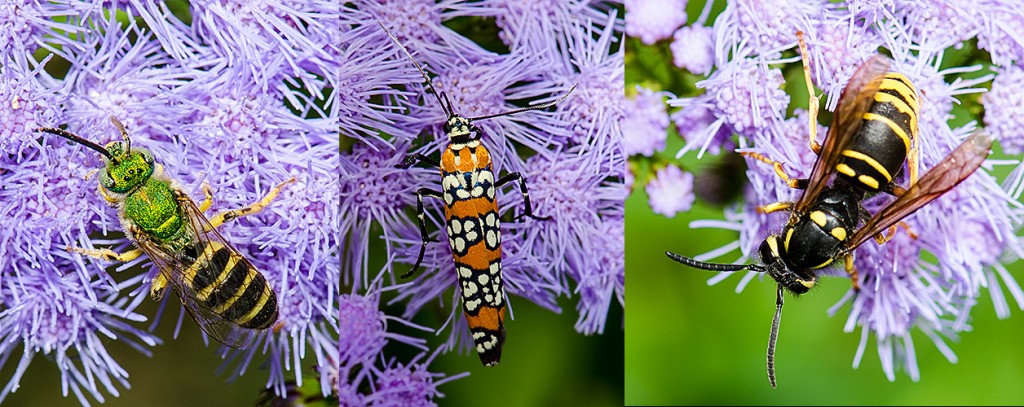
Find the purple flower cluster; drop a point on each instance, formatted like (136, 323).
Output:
(901, 288)
(570, 154)
(240, 96)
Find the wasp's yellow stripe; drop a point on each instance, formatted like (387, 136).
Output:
(901, 84)
(899, 102)
(249, 273)
(224, 273)
(892, 125)
(846, 170)
(264, 297)
(857, 155)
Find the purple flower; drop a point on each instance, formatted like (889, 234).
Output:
(1004, 106)
(653, 20)
(240, 119)
(1001, 32)
(671, 191)
(693, 49)
(644, 131)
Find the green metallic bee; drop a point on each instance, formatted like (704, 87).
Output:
(221, 290)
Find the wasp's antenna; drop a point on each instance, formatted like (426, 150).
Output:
(713, 266)
(124, 134)
(540, 106)
(774, 336)
(430, 85)
(79, 140)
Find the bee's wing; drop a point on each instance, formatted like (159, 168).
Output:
(208, 250)
(857, 97)
(953, 169)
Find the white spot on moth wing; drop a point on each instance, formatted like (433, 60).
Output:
(469, 289)
(472, 305)
(471, 235)
(465, 272)
(492, 239)
(451, 243)
(448, 198)
(462, 194)
(483, 279)
(455, 227)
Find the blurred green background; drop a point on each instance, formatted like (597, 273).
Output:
(690, 343)
(545, 363)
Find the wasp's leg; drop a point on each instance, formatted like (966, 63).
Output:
(775, 207)
(891, 233)
(424, 237)
(416, 158)
(912, 163)
(852, 271)
(812, 100)
(515, 176)
(798, 183)
(251, 209)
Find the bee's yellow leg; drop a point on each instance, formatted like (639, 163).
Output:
(208, 200)
(774, 207)
(251, 209)
(158, 287)
(110, 200)
(107, 254)
(812, 100)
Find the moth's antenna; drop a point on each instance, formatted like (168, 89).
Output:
(536, 107)
(430, 85)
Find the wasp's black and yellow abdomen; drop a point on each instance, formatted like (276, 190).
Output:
(227, 284)
(877, 151)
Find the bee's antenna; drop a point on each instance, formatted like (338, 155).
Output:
(79, 140)
(124, 134)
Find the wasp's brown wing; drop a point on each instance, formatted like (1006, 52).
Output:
(953, 169)
(856, 99)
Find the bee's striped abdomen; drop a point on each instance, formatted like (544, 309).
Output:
(221, 280)
(886, 134)
(474, 235)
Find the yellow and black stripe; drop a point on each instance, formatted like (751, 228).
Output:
(223, 282)
(880, 146)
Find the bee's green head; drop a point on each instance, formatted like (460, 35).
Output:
(127, 167)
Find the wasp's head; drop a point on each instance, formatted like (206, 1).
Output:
(792, 280)
(460, 129)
